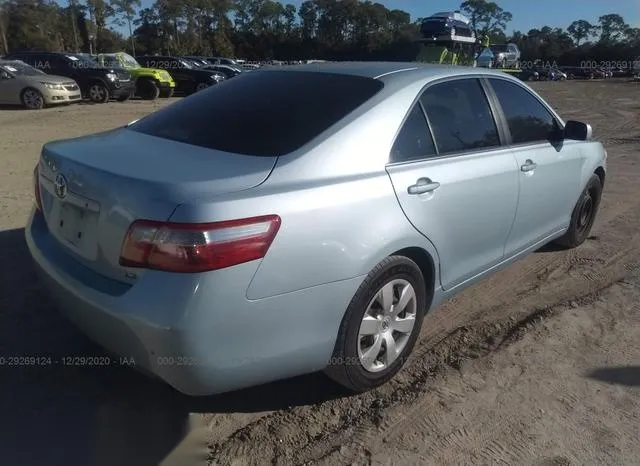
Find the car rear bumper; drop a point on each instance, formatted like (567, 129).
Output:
(197, 332)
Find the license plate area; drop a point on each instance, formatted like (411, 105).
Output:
(74, 223)
(71, 224)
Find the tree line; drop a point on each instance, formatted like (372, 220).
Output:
(271, 30)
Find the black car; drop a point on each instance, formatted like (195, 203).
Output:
(188, 77)
(97, 83)
(222, 61)
(226, 70)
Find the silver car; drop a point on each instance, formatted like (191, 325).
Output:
(224, 241)
(21, 84)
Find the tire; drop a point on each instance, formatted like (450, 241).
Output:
(98, 93)
(350, 366)
(32, 99)
(167, 93)
(148, 90)
(583, 215)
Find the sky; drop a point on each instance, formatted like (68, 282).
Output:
(527, 14)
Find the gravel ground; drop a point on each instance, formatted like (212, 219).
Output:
(539, 364)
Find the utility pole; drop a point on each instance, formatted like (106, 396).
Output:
(3, 34)
(74, 20)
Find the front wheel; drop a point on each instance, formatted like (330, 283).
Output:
(380, 326)
(32, 99)
(583, 215)
(166, 93)
(98, 93)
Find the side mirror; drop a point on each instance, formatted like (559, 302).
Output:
(577, 131)
(4, 75)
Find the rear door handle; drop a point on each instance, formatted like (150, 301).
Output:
(422, 186)
(528, 166)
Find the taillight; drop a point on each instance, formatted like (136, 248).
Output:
(197, 247)
(36, 188)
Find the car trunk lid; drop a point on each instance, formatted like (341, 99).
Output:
(93, 188)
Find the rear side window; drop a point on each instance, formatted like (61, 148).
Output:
(528, 120)
(460, 116)
(265, 113)
(414, 139)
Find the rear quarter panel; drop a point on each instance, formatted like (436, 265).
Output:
(339, 212)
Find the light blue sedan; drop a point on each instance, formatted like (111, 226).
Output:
(301, 219)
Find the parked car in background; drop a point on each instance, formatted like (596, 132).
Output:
(529, 75)
(222, 61)
(506, 55)
(188, 77)
(21, 84)
(577, 72)
(226, 70)
(224, 241)
(97, 83)
(198, 60)
(150, 83)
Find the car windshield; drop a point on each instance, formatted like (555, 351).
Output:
(266, 113)
(20, 69)
(110, 60)
(499, 48)
(129, 61)
(83, 60)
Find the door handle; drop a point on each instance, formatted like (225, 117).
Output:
(528, 166)
(422, 186)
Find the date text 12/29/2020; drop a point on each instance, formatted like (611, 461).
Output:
(66, 361)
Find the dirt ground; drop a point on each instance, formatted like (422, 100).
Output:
(538, 365)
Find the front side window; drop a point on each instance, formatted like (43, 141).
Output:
(460, 116)
(529, 121)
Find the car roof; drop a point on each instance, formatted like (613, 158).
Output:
(392, 72)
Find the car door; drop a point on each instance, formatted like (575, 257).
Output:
(549, 168)
(455, 181)
(10, 87)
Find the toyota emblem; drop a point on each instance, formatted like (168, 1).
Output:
(60, 186)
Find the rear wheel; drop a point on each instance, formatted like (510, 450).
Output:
(32, 99)
(380, 326)
(148, 89)
(583, 215)
(98, 93)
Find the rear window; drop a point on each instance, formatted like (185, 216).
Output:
(262, 113)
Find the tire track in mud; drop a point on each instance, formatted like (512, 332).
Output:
(362, 421)
(484, 318)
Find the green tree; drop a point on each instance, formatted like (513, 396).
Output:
(125, 11)
(581, 30)
(612, 28)
(487, 18)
